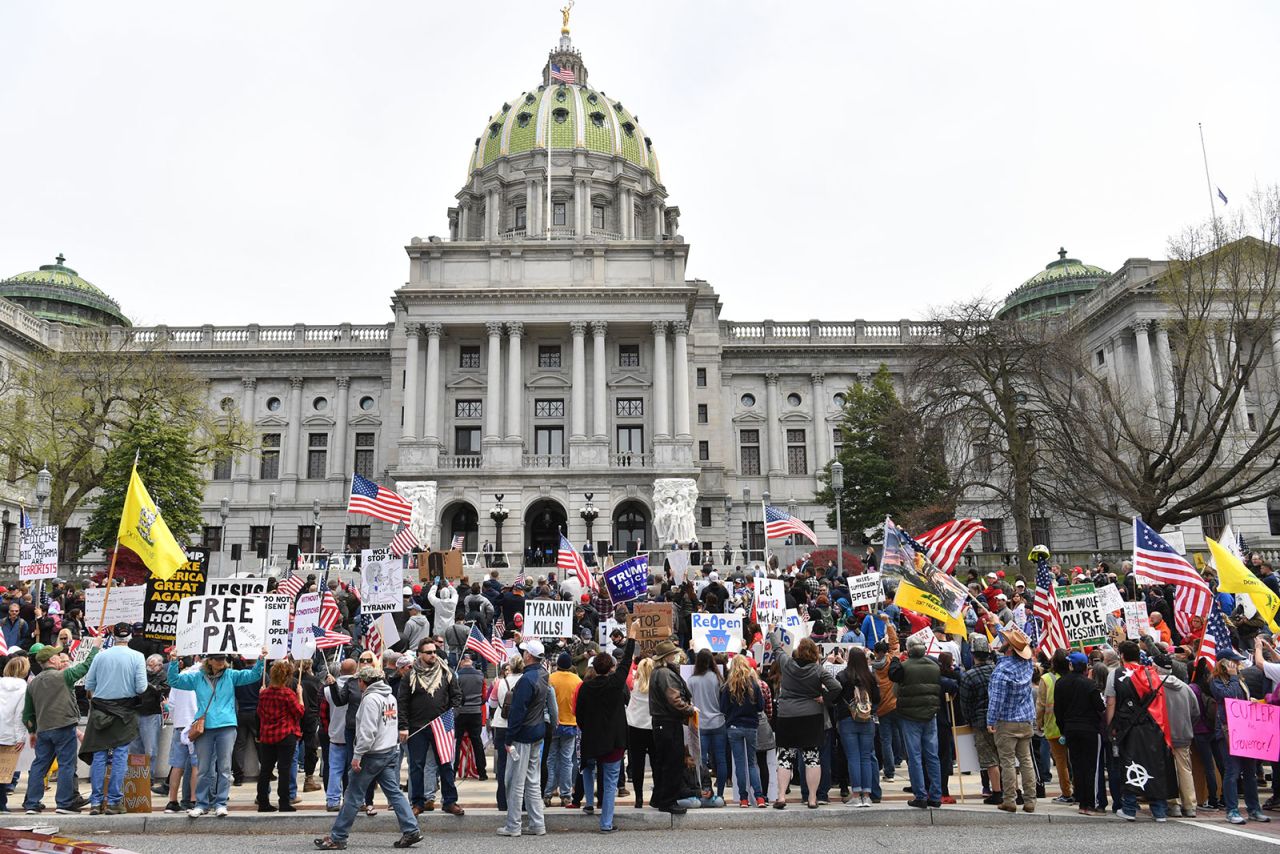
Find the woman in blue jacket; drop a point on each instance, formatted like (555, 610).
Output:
(215, 688)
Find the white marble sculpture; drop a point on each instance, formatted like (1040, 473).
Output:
(674, 501)
(422, 495)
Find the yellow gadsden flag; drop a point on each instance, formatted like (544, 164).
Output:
(145, 533)
(1235, 577)
(923, 602)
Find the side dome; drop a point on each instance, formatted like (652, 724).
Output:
(57, 293)
(1053, 289)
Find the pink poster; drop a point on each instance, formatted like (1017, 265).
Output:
(1253, 730)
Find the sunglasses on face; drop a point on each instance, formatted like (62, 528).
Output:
(427, 652)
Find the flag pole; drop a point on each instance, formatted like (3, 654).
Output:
(111, 570)
(1213, 204)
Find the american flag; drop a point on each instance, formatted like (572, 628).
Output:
(499, 628)
(946, 542)
(1046, 608)
(326, 637)
(372, 635)
(477, 642)
(442, 733)
(404, 542)
(1216, 636)
(292, 585)
(778, 524)
(568, 559)
(1157, 562)
(459, 540)
(369, 499)
(564, 75)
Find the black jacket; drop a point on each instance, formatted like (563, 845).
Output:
(601, 709)
(1078, 705)
(418, 708)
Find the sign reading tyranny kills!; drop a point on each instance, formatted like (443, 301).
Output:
(545, 618)
(160, 612)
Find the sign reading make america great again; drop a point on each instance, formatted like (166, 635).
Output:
(160, 610)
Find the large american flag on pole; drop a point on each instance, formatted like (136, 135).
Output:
(1045, 606)
(569, 560)
(442, 733)
(564, 75)
(292, 585)
(1157, 562)
(369, 499)
(946, 542)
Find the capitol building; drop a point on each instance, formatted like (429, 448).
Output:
(547, 355)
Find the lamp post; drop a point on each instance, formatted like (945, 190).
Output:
(499, 515)
(746, 523)
(44, 487)
(837, 489)
(589, 513)
(728, 510)
(764, 528)
(315, 524)
(224, 510)
(271, 526)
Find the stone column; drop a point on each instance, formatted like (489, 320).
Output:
(1142, 342)
(661, 394)
(409, 430)
(1164, 357)
(657, 220)
(530, 205)
(431, 429)
(578, 395)
(244, 466)
(515, 382)
(464, 221)
(493, 389)
(1231, 378)
(680, 372)
(625, 213)
(295, 428)
(338, 453)
(821, 433)
(599, 392)
(774, 427)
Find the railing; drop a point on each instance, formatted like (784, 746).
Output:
(461, 461)
(239, 337)
(631, 460)
(515, 234)
(825, 332)
(545, 461)
(562, 233)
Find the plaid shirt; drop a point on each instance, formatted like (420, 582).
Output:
(279, 714)
(1009, 695)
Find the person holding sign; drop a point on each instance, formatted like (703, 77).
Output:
(1227, 685)
(214, 729)
(51, 714)
(115, 680)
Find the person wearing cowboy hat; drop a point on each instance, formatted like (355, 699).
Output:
(670, 706)
(1011, 712)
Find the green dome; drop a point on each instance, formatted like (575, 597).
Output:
(1053, 289)
(57, 293)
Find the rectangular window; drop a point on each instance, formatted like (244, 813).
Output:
(628, 355)
(1273, 515)
(700, 375)
(706, 516)
(270, 469)
(364, 455)
(981, 459)
(548, 408)
(1101, 356)
(629, 407)
(993, 537)
(1252, 421)
(469, 356)
(1041, 533)
(69, 546)
(468, 409)
(307, 539)
(548, 440)
(797, 458)
(358, 537)
(630, 439)
(466, 441)
(702, 413)
(211, 538)
(548, 355)
(597, 217)
(837, 441)
(317, 456)
(259, 540)
(749, 451)
(1213, 523)
(520, 217)
(558, 213)
(704, 450)
(222, 467)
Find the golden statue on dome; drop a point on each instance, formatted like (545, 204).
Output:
(564, 13)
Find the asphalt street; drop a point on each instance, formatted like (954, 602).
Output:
(1138, 838)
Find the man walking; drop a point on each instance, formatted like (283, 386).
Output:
(51, 714)
(531, 700)
(114, 681)
(919, 684)
(375, 757)
(1011, 710)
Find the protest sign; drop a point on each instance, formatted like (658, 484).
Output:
(1078, 605)
(124, 605)
(771, 600)
(678, 561)
(717, 632)
(38, 553)
(221, 625)
(160, 613)
(628, 580)
(605, 630)
(865, 589)
(924, 636)
(1253, 730)
(548, 618)
(967, 750)
(278, 608)
(1136, 621)
(649, 624)
(1109, 598)
(235, 586)
(439, 564)
(306, 616)
(137, 784)
(381, 582)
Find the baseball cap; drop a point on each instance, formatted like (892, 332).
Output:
(1000, 596)
(533, 647)
(1078, 660)
(404, 661)
(408, 591)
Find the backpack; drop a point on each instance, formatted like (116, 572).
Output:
(860, 709)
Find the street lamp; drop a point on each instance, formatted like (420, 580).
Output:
(271, 526)
(746, 523)
(589, 514)
(315, 524)
(837, 489)
(224, 510)
(44, 488)
(728, 532)
(499, 515)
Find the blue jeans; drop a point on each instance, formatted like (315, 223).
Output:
(148, 742)
(742, 743)
(119, 759)
(858, 738)
(435, 770)
(560, 765)
(213, 752)
(381, 768)
(610, 785)
(1129, 805)
(715, 747)
(921, 739)
(53, 744)
(1237, 765)
(890, 725)
(339, 756)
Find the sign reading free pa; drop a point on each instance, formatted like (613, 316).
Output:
(222, 625)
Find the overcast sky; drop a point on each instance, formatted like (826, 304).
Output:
(235, 162)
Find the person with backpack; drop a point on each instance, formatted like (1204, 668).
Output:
(478, 610)
(1047, 723)
(1138, 721)
(855, 722)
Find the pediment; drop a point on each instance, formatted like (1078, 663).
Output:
(629, 381)
(749, 417)
(318, 421)
(467, 382)
(795, 417)
(364, 419)
(548, 381)
(272, 421)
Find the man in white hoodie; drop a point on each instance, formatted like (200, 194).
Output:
(444, 599)
(375, 757)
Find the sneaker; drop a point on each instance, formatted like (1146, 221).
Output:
(1161, 819)
(1126, 816)
(71, 810)
(864, 800)
(1234, 817)
(161, 789)
(502, 831)
(35, 810)
(1256, 815)
(172, 808)
(115, 809)
(744, 803)
(1063, 799)
(413, 837)
(336, 807)
(538, 831)
(918, 804)
(608, 829)
(195, 812)
(220, 812)
(589, 810)
(947, 799)
(95, 809)
(935, 804)
(762, 803)
(187, 805)
(994, 799)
